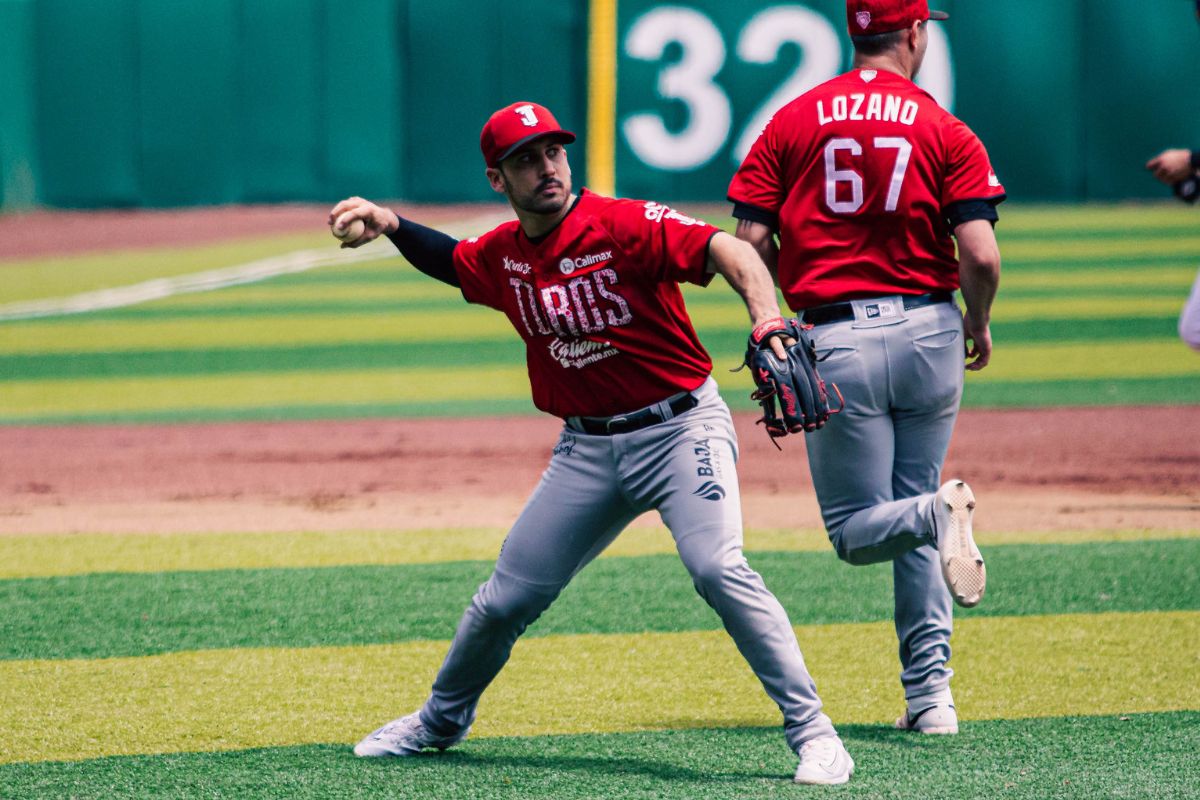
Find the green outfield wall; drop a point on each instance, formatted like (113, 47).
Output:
(178, 102)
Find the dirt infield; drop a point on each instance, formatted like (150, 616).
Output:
(1071, 469)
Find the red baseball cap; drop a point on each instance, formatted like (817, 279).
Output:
(513, 126)
(869, 17)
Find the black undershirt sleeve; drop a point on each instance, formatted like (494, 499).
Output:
(1195, 159)
(755, 214)
(966, 210)
(955, 213)
(430, 251)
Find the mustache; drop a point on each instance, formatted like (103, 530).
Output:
(546, 184)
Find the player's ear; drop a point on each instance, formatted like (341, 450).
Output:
(913, 34)
(496, 179)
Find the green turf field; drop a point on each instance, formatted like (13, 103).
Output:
(139, 665)
(247, 664)
(1086, 314)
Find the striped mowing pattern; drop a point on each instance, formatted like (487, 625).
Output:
(44, 556)
(134, 614)
(104, 658)
(1008, 668)
(1129, 756)
(369, 339)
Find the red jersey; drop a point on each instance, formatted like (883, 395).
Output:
(859, 172)
(597, 302)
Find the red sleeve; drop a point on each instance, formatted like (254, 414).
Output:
(668, 245)
(759, 180)
(477, 282)
(969, 174)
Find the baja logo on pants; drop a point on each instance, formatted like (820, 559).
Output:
(710, 490)
(708, 465)
(708, 459)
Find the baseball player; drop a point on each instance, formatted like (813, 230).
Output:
(591, 284)
(1180, 169)
(865, 179)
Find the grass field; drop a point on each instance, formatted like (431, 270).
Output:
(246, 664)
(1086, 314)
(1078, 676)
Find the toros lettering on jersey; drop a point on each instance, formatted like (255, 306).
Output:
(582, 306)
(860, 107)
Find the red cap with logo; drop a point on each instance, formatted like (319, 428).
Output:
(514, 125)
(869, 17)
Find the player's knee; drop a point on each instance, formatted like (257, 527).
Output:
(839, 544)
(510, 603)
(714, 576)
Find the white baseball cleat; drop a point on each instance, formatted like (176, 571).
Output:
(406, 736)
(962, 564)
(824, 760)
(940, 719)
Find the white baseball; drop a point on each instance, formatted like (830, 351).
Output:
(354, 229)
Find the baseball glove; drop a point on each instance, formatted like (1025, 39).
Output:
(792, 394)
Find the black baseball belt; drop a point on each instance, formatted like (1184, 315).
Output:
(840, 312)
(634, 420)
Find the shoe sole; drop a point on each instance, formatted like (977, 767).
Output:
(838, 781)
(381, 752)
(962, 564)
(940, 730)
(835, 782)
(365, 749)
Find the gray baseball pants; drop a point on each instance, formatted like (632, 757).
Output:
(1189, 318)
(685, 468)
(876, 466)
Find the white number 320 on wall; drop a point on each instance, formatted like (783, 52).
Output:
(692, 79)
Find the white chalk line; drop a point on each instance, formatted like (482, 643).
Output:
(211, 280)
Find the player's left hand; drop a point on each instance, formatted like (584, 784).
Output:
(783, 363)
(1171, 166)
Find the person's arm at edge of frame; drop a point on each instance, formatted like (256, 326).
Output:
(979, 278)
(744, 270)
(1172, 166)
(429, 250)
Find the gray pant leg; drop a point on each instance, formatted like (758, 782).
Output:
(924, 618)
(852, 458)
(707, 528)
(1189, 318)
(851, 464)
(575, 512)
(924, 610)
(876, 466)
